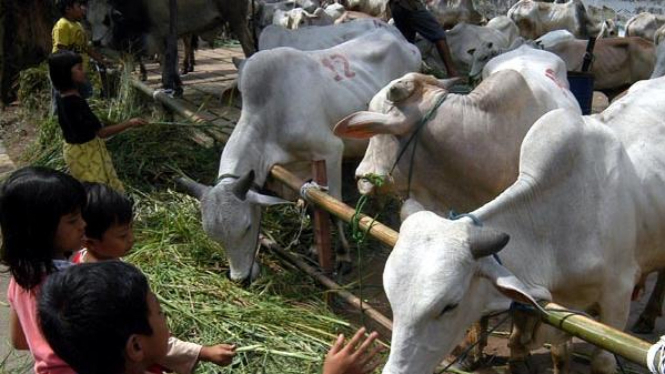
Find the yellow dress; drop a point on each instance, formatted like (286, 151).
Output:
(70, 35)
(91, 162)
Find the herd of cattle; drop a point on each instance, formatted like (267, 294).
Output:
(565, 207)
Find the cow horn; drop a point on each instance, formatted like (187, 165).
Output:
(400, 91)
(486, 242)
(192, 188)
(243, 184)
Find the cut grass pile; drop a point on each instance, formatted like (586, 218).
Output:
(280, 323)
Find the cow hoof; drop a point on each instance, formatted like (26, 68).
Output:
(344, 267)
(467, 364)
(519, 367)
(144, 77)
(178, 92)
(191, 69)
(643, 326)
(184, 72)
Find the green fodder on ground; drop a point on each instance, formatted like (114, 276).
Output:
(280, 323)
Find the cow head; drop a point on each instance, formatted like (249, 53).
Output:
(100, 17)
(608, 29)
(439, 279)
(394, 113)
(231, 213)
(481, 56)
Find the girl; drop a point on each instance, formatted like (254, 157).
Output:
(84, 151)
(40, 219)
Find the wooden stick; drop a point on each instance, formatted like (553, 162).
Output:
(347, 296)
(322, 222)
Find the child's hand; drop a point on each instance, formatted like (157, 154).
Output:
(220, 354)
(137, 122)
(349, 360)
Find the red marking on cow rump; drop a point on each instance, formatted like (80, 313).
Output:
(329, 63)
(549, 73)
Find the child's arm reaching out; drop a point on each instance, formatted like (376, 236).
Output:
(182, 357)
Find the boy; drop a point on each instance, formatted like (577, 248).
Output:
(109, 236)
(68, 34)
(102, 318)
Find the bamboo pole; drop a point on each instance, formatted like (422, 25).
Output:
(347, 296)
(378, 230)
(168, 102)
(585, 328)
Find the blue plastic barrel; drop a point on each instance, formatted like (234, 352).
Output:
(581, 85)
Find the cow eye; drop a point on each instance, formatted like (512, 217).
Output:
(107, 21)
(448, 308)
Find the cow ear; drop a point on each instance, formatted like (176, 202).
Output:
(471, 51)
(265, 200)
(506, 282)
(363, 125)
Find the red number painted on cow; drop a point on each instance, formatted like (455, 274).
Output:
(330, 63)
(549, 73)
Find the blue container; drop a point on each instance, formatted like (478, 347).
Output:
(581, 85)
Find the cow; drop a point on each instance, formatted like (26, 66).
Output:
(313, 38)
(644, 25)
(117, 23)
(458, 175)
(506, 26)
(582, 222)
(535, 18)
(375, 8)
(618, 62)
(452, 12)
(462, 40)
(291, 99)
(298, 17)
(659, 69)
(660, 35)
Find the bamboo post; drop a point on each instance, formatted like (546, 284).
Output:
(585, 328)
(169, 103)
(322, 222)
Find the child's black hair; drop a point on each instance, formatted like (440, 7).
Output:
(32, 201)
(105, 207)
(62, 5)
(60, 66)
(88, 312)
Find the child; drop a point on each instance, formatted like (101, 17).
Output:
(109, 236)
(68, 34)
(40, 218)
(85, 153)
(102, 318)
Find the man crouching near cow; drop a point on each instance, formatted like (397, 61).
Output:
(412, 17)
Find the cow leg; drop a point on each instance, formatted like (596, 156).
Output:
(142, 69)
(614, 308)
(524, 326)
(238, 23)
(186, 61)
(561, 355)
(653, 310)
(334, 171)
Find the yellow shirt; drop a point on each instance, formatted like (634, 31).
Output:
(71, 36)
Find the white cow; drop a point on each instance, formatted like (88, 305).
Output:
(552, 38)
(291, 99)
(585, 221)
(506, 26)
(659, 69)
(535, 18)
(644, 25)
(297, 18)
(462, 40)
(618, 63)
(313, 38)
(468, 152)
(452, 12)
(375, 8)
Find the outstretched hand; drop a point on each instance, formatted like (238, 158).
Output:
(353, 358)
(220, 354)
(137, 122)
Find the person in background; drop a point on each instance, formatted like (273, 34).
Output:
(84, 150)
(412, 17)
(68, 34)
